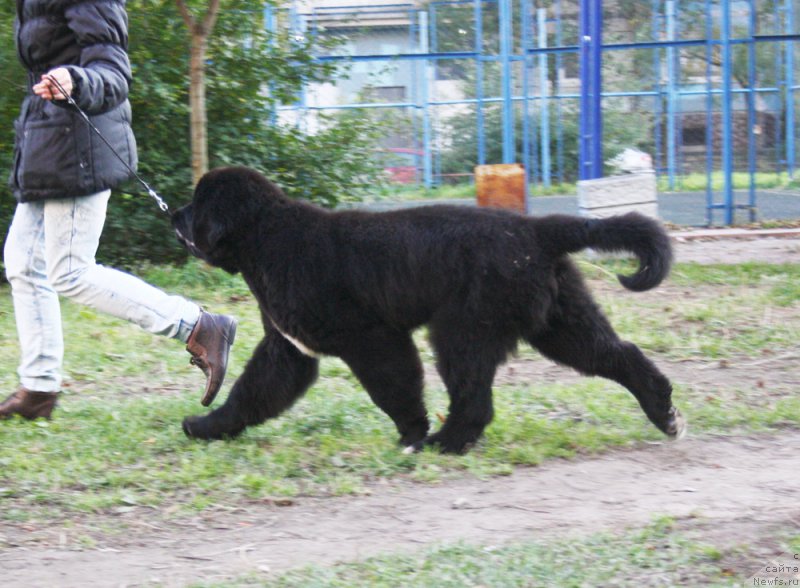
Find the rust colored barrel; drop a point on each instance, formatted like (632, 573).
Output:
(501, 185)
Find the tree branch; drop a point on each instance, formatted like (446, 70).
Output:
(201, 29)
(188, 19)
(211, 17)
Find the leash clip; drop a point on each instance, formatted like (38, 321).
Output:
(160, 201)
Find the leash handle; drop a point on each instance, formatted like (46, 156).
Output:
(153, 194)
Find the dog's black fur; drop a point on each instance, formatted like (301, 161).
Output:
(355, 284)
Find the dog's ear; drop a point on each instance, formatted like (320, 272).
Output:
(208, 232)
(215, 236)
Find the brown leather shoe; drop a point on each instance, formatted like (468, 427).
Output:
(209, 344)
(28, 404)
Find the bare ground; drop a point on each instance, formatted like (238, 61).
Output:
(737, 247)
(727, 490)
(746, 486)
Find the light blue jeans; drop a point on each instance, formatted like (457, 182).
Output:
(50, 252)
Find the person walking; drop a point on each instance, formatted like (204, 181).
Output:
(62, 178)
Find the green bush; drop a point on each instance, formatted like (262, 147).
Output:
(249, 73)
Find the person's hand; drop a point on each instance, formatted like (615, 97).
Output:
(48, 90)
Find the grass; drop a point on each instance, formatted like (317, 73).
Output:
(661, 554)
(696, 182)
(117, 442)
(466, 190)
(746, 309)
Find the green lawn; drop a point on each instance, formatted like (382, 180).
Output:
(662, 554)
(116, 438)
(687, 183)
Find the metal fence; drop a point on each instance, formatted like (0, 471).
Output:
(708, 88)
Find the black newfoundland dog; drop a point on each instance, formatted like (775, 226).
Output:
(355, 284)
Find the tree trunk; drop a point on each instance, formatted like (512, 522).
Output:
(199, 32)
(197, 105)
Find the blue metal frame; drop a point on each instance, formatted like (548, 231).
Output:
(538, 93)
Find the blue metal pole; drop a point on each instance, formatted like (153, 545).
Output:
(727, 115)
(530, 149)
(430, 75)
(778, 72)
(658, 106)
(584, 146)
(709, 117)
(506, 37)
(591, 115)
(596, 33)
(751, 111)
(525, 34)
(790, 140)
(541, 17)
(479, 118)
(557, 91)
(433, 28)
(414, 35)
(427, 162)
(672, 96)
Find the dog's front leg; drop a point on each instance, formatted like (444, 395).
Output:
(274, 378)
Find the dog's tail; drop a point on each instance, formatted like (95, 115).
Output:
(633, 232)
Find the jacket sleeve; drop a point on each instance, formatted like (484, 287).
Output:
(103, 77)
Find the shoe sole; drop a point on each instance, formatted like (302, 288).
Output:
(230, 337)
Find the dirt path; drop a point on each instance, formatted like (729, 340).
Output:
(741, 489)
(731, 483)
(692, 246)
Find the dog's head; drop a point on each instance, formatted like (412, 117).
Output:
(224, 210)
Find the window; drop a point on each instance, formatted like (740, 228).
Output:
(387, 94)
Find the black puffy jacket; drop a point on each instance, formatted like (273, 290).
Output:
(56, 154)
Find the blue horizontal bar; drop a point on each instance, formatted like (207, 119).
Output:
(531, 51)
(400, 56)
(361, 8)
(776, 37)
(459, 2)
(487, 100)
(739, 206)
(370, 12)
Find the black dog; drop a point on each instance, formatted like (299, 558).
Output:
(355, 284)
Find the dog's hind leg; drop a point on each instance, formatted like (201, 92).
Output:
(467, 360)
(387, 364)
(274, 378)
(579, 335)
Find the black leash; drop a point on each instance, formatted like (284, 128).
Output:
(161, 204)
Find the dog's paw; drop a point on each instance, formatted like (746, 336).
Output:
(211, 427)
(676, 425)
(442, 443)
(199, 427)
(414, 434)
(192, 427)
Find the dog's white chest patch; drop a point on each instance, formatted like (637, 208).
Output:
(298, 344)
